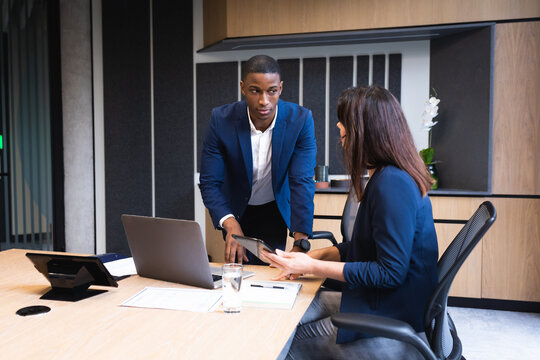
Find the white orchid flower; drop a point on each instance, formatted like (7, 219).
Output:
(434, 101)
(428, 124)
(430, 111)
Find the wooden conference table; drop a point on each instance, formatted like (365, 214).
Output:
(97, 328)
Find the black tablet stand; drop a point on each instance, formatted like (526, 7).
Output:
(71, 275)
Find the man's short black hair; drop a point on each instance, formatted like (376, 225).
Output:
(261, 64)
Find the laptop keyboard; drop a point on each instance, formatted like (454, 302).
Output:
(216, 277)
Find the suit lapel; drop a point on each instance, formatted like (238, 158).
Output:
(244, 139)
(277, 138)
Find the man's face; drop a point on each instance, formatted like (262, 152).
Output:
(262, 93)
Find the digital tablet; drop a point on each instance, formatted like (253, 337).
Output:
(255, 246)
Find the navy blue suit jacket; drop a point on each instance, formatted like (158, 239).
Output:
(391, 261)
(227, 164)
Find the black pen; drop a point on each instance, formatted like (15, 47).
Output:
(268, 287)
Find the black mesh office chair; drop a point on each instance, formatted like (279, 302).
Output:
(347, 221)
(440, 331)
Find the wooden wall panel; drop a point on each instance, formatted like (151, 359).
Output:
(510, 248)
(237, 18)
(329, 204)
(215, 18)
(511, 251)
(334, 226)
(454, 208)
(215, 246)
(468, 281)
(516, 109)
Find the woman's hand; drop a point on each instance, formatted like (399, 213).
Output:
(291, 264)
(323, 263)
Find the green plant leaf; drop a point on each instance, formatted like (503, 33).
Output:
(427, 155)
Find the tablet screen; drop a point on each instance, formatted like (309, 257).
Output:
(254, 245)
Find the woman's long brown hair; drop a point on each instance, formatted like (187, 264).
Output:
(377, 135)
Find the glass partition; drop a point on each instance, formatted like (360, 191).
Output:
(26, 214)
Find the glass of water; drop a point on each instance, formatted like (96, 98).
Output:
(231, 280)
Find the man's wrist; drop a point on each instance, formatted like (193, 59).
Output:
(222, 220)
(302, 244)
(232, 226)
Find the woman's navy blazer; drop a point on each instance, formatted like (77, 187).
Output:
(391, 261)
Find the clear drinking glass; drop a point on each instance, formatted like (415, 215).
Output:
(232, 280)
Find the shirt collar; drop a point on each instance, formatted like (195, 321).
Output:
(271, 127)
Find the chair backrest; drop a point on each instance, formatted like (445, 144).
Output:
(349, 216)
(440, 330)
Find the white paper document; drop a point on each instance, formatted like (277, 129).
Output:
(121, 267)
(175, 299)
(269, 294)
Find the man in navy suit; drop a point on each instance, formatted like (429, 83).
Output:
(258, 163)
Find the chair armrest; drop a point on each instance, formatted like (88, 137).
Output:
(324, 235)
(383, 326)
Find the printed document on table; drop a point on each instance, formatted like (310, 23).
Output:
(175, 299)
(269, 294)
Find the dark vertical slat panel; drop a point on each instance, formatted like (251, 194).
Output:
(13, 38)
(460, 72)
(217, 84)
(362, 70)
(394, 75)
(4, 175)
(24, 108)
(314, 85)
(290, 74)
(126, 84)
(341, 77)
(48, 146)
(41, 147)
(57, 148)
(33, 122)
(173, 109)
(378, 69)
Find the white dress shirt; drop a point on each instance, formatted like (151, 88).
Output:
(261, 152)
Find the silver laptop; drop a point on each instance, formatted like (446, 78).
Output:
(171, 250)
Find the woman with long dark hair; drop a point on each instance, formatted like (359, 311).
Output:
(390, 265)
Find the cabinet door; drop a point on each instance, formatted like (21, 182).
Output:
(334, 226)
(454, 208)
(468, 281)
(511, 251)
(516, 127)
(329, 204)
(215, 246)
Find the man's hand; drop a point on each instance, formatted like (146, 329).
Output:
(233, 250)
